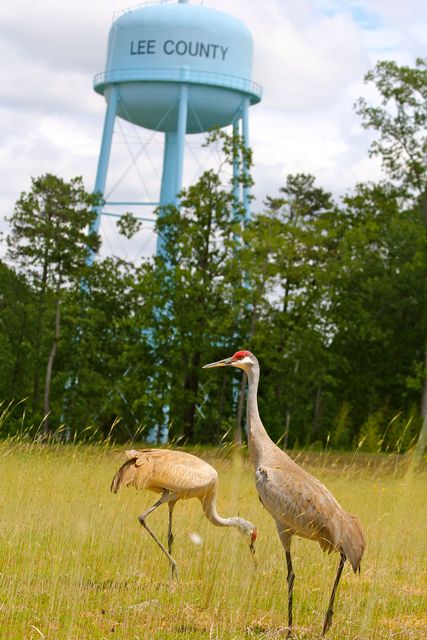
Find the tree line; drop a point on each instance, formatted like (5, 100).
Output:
(329, 294)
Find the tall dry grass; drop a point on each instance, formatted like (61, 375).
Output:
(76, 565)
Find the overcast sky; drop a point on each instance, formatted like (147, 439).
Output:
(310, 56)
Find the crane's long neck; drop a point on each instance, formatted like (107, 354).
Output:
(209, 507)
(259, 442)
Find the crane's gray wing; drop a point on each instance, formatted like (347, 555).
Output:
(300, 504)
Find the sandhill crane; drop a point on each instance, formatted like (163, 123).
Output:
(299, 504)
(177, 475)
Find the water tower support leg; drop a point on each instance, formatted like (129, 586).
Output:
(245, 136)
(180, 138)
(104, 155)
(167, 189)
(236, 185)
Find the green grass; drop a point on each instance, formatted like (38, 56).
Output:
(75, 564)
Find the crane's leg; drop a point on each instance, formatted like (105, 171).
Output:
(285, 536)
(330, 611)
(165, 497)
(171, 506)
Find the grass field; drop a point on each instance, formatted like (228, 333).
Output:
(75, 564)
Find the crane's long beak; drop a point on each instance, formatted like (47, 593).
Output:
(220, 363)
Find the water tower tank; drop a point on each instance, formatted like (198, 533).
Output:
(154, 48)
(178, 68)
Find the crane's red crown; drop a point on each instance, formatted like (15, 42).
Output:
(240, 354)
(254, 535)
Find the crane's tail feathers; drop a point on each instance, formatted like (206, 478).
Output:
(125, 475)
(353, 541)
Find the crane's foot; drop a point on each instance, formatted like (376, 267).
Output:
(328, 621)
(174, 571)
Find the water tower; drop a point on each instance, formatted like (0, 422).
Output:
(180, 69)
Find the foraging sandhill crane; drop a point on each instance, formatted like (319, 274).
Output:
(177, 475)
(299, 504)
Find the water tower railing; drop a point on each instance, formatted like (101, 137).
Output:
(121, 12)
(101, 80)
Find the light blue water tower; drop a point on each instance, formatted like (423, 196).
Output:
(180, 69)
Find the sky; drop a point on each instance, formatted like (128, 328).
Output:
(310, 56)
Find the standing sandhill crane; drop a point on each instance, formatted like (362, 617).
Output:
(299, 504)
(177, 475)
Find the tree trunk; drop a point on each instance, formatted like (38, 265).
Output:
(317, 405)
(289, 407)
(222, 397)
(287, 425)
(39, 333)
(49, 368)
(191, 386)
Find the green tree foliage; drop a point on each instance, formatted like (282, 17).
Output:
(378, 302)
(401, 120)
(341, 434)
(369, 438)
(49, 245)
(17, 326)
(104, 354)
